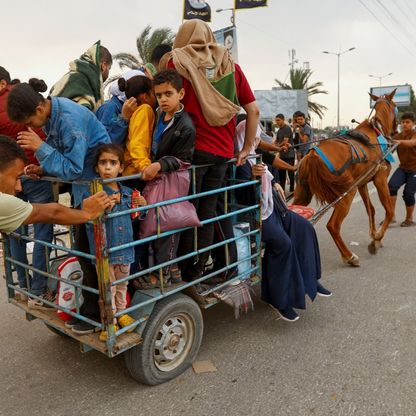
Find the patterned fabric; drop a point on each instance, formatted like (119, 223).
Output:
(305, 212)
(83, 82)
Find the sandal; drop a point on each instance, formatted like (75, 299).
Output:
(407, 223)
(150, 281)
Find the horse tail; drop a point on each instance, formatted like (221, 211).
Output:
(322, 183)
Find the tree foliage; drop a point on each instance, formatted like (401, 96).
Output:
(299, 80)
(145, 44)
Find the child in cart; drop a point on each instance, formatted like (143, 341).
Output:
(110, 164)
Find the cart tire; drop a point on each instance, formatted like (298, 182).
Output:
(171, 341)
(55, 331)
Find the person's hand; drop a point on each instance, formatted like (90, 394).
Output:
(285, 147)
(34, 171)
(95, 205)
(150, 172)
(29, 140)
(259, 169)
(129, 107)
(280, 190)
(142, 200)
(242, 157)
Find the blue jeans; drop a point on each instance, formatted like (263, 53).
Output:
(37, 192)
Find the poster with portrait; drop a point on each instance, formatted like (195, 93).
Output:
(196, 9)
(228, 37)
(250, 4)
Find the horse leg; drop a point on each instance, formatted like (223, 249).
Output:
(334, 227)
(380, 182)
(363, 190)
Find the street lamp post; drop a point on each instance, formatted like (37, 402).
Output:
(381, 77)
(232, 14)
(338, 54)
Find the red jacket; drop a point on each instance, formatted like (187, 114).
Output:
(10, 128)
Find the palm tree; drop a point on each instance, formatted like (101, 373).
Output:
(299, 81)
(145, 44)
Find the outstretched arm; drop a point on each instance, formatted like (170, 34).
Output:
(59, 214)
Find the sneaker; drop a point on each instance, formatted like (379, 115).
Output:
(40, 303)
(103, 335)
(322, 291)
(126, 320)
(83, 328)
(288, 314)
(71, 323)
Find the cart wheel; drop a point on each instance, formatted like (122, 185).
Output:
(171, 340)
(55, 331)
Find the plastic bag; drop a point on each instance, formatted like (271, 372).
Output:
(178, 215)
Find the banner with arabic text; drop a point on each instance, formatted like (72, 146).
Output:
(196, 9)
(250, 4)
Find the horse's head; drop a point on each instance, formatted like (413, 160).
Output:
(385, 113)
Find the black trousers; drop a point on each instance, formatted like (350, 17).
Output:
(208, 178)
(284, 172)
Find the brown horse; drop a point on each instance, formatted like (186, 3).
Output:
(350, 164)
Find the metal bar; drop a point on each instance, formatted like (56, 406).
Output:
(185, 256)
(180, 288)
(51, 245)
(166, 233)
(46, 274)
(103, 273)
(181, 199)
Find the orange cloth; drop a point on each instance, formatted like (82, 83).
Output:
(139, 141)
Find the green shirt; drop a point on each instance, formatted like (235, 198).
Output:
(13, 212)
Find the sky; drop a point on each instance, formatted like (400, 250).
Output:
(39, 39)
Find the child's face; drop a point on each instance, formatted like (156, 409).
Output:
(168, 97)
(109, 166)
(407, 124)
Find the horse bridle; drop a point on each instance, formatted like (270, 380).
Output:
(375, 122)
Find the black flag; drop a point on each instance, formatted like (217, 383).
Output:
(249, 4)
(196, 9)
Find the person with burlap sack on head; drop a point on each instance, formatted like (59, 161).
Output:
(215, 90)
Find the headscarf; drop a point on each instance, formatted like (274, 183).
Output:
(209, 68)
(115, 91)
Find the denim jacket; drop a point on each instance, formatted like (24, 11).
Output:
(110, 115)
(73, 132)
(119, 230)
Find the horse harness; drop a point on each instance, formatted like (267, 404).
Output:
(358, 154)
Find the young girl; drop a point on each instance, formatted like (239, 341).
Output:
(110, 164)
(141, 125)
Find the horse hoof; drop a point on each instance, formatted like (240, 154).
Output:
(354, 260)
(374, 246)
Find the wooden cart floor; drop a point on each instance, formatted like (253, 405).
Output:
(124, 341)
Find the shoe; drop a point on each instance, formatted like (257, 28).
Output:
(71, 323)
(103, 335)
(288, 314)
(83, 328)
(126, 320)
(322, 291)
(407, 223)
(48, 296)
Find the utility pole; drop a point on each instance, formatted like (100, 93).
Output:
(292, 59)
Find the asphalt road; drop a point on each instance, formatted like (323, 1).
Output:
(351, 354)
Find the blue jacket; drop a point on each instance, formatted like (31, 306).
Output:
(73, 133)
(119, 230)
(110, 115)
